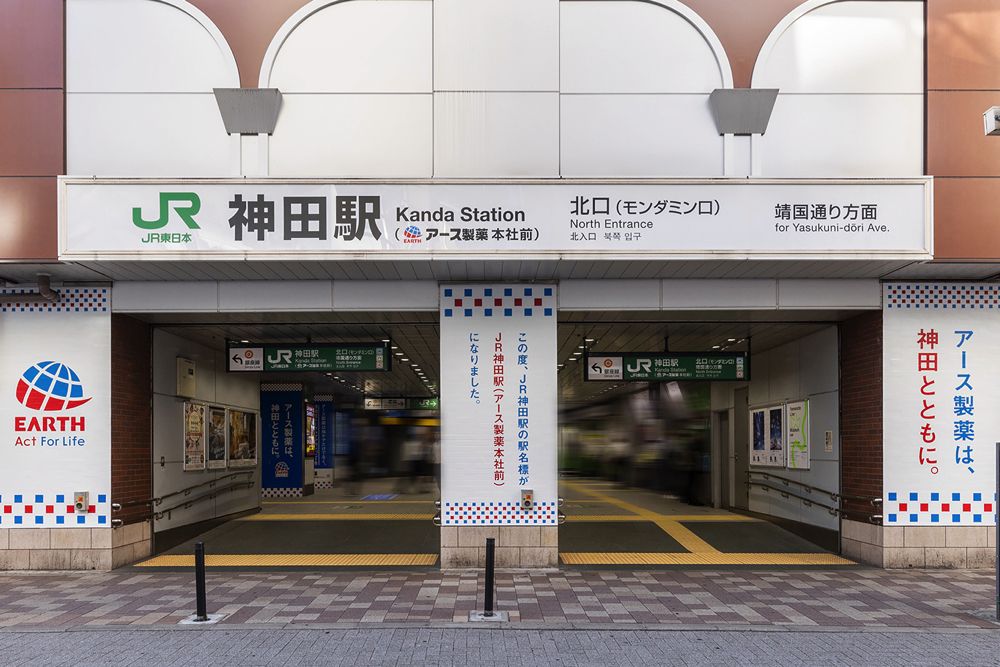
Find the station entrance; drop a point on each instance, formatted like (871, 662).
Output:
(675, 473)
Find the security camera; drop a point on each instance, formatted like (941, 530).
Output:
(991, 121)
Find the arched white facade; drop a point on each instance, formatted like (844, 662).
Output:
(139, 79)
(415, 88)
(850, 75)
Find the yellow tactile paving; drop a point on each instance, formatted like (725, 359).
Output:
(714, 558)
(293, 560)
(337, 517)
(668, 524)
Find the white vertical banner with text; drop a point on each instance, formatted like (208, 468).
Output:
(55, 410)
(941, 349)
(499, 407)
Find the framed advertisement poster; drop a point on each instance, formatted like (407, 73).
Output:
(797, 434)
(194, 436)
(242, 439)
(217, 438)
(767, 436)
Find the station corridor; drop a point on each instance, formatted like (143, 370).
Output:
(606, 526)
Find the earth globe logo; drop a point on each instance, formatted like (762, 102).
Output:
(50, 386)
(412, 233)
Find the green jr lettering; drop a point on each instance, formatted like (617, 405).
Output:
(186, 204)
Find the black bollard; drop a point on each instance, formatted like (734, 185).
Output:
(490, 544)
(199, 581)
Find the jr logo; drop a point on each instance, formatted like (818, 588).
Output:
(186, 204)
(641, 365)
(280, 357)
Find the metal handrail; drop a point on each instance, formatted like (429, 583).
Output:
(835, 510)
(159, 514)
(810, 488)
(785, 493)
(157, 501)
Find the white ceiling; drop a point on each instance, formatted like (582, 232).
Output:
(416, 336)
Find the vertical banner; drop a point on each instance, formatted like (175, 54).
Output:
(797, 434)
(282, 455)
(498, 404)
(941, 349)
(194, 436)
(55, 409)
(324, 442)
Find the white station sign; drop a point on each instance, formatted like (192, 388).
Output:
(707, 219)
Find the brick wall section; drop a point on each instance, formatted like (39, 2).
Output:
(861, 410)
(131, 415)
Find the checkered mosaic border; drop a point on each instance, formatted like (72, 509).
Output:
(483, 301)
(51, 510)
(71, 300)
(281, 493)
(323, 484)
(499, 513)
(942, 296)
(945, 508)
(278, 386)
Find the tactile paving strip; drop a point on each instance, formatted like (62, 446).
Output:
(293, 560)
(702, 558)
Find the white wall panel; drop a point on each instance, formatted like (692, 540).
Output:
(759, 392)
(378, 136)
(843, 136)
(385, 295)
(143, 46)
(609, 295)
(804, 368)
(848, 47)
(164, 297)
(639, 135)
(818, 362)
(381, 46)
(496, 45)
(214, 386)
(725, 294)
(271, 295)
(830, 294)
(148, 135)
(633, 47)
(496, 134)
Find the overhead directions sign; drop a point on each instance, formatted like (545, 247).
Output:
(327, 358)
(667, 366)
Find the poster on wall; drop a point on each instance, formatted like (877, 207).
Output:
(55, 409)
(767, 430)
(941, 348)
(217, 443)
(498, 404)
(242, 439)
(194, 436)
(797, 434)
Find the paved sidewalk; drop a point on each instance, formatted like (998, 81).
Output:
(473, 646)
(854, 598)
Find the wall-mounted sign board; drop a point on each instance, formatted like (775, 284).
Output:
(322, 357)
(402, 403)
(666, 366)
(315, 220)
